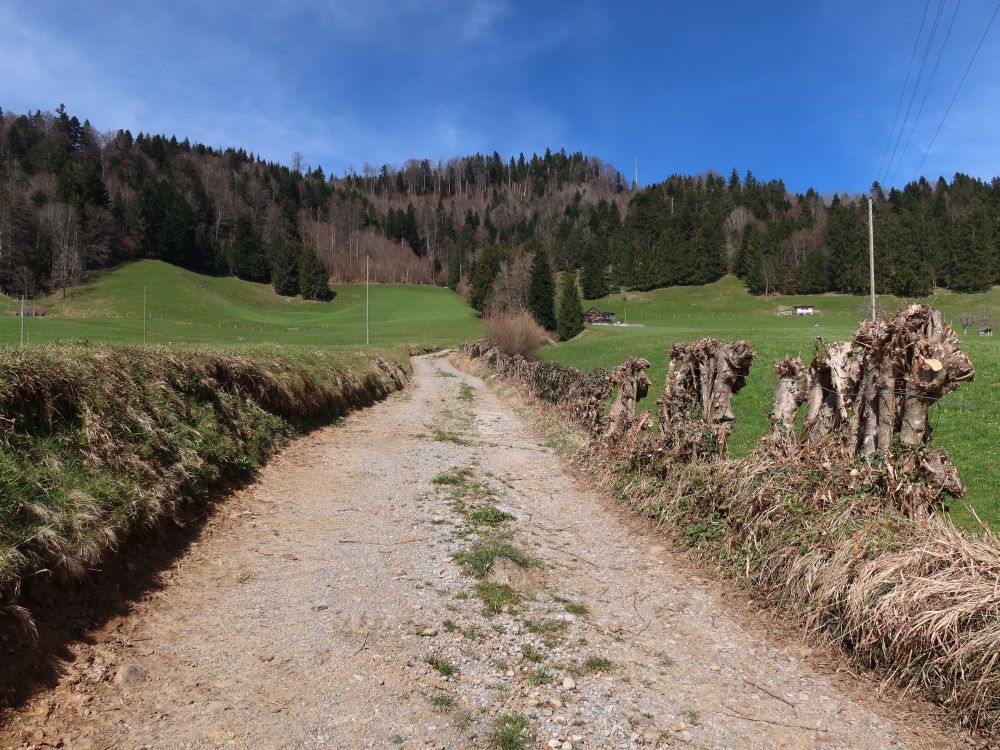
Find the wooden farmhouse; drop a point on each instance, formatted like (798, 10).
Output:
(593, 315)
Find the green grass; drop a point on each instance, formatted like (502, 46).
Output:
(444, 667)
(511, 731)
(480, 557)
(442, 701)
(539, 676)
(532, 654)
(186, 308)
(966, 423)
(496, 598)
(597, 663)
(489, 515)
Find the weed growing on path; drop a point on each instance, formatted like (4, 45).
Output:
(442, 701)
(598, 663)
(496, 598)
(444, 667)
(531, 653)
(481, 556)
(447, 436)
(511, 731)
(489, 515)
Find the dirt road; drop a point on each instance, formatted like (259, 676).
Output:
(325, 607)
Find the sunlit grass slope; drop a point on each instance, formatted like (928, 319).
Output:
(966, 422)
(188, 308)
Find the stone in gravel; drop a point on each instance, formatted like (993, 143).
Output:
(428, 632)
(506, 572)
(130, 675)
(569, 683)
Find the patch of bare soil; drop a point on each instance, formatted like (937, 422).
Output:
(347, 600)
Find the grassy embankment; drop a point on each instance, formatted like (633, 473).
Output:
(189, 309)
(99, 437)
(966, 423)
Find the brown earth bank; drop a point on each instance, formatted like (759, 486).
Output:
(333, 604)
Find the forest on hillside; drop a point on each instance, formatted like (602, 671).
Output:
(75, 199)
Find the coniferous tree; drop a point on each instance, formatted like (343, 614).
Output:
(286, 257)
(847, 241)
(751, 259)
(314, 282)
(485, 273)
(541, 292)
(973, 254)
(593, 275)
(570, 321)
(249, 261)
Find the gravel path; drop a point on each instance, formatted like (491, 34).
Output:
(327, 606)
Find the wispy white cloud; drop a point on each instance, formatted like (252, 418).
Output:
(480, 18)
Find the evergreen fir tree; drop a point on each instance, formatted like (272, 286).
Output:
(751, 259)
(314, 282)
(972, 250)
(285, 260)
(541, 291)
(249, 261)
(570, 321)
(847, 240)
(593, 275)
(485, 273)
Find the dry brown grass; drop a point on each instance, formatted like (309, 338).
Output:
(97, 441)
(515, 333)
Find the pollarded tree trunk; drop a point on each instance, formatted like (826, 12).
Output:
(632, 383)
(832, 383)
(789, 394)
(935, 368)
(730, 367)
(697, 398)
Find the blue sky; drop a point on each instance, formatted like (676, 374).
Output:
(805, 91)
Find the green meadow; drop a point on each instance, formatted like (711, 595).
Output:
(966, 423)
(186, 308)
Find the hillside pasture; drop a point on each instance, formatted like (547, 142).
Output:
(966, 423)
(186, 308)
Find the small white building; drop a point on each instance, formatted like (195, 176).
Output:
(805, 310)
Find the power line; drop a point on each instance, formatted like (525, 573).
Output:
(902, 93)
(957, 90)
(916, 86)
(927, 91)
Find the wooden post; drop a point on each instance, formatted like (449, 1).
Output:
(871, 255)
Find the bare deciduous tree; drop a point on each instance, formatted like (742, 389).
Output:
(971, 318)
(59, 222)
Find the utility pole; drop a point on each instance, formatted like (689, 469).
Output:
(368, 337)
(143, 315)
(635, 183)
(871, 255)
(22, 320)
